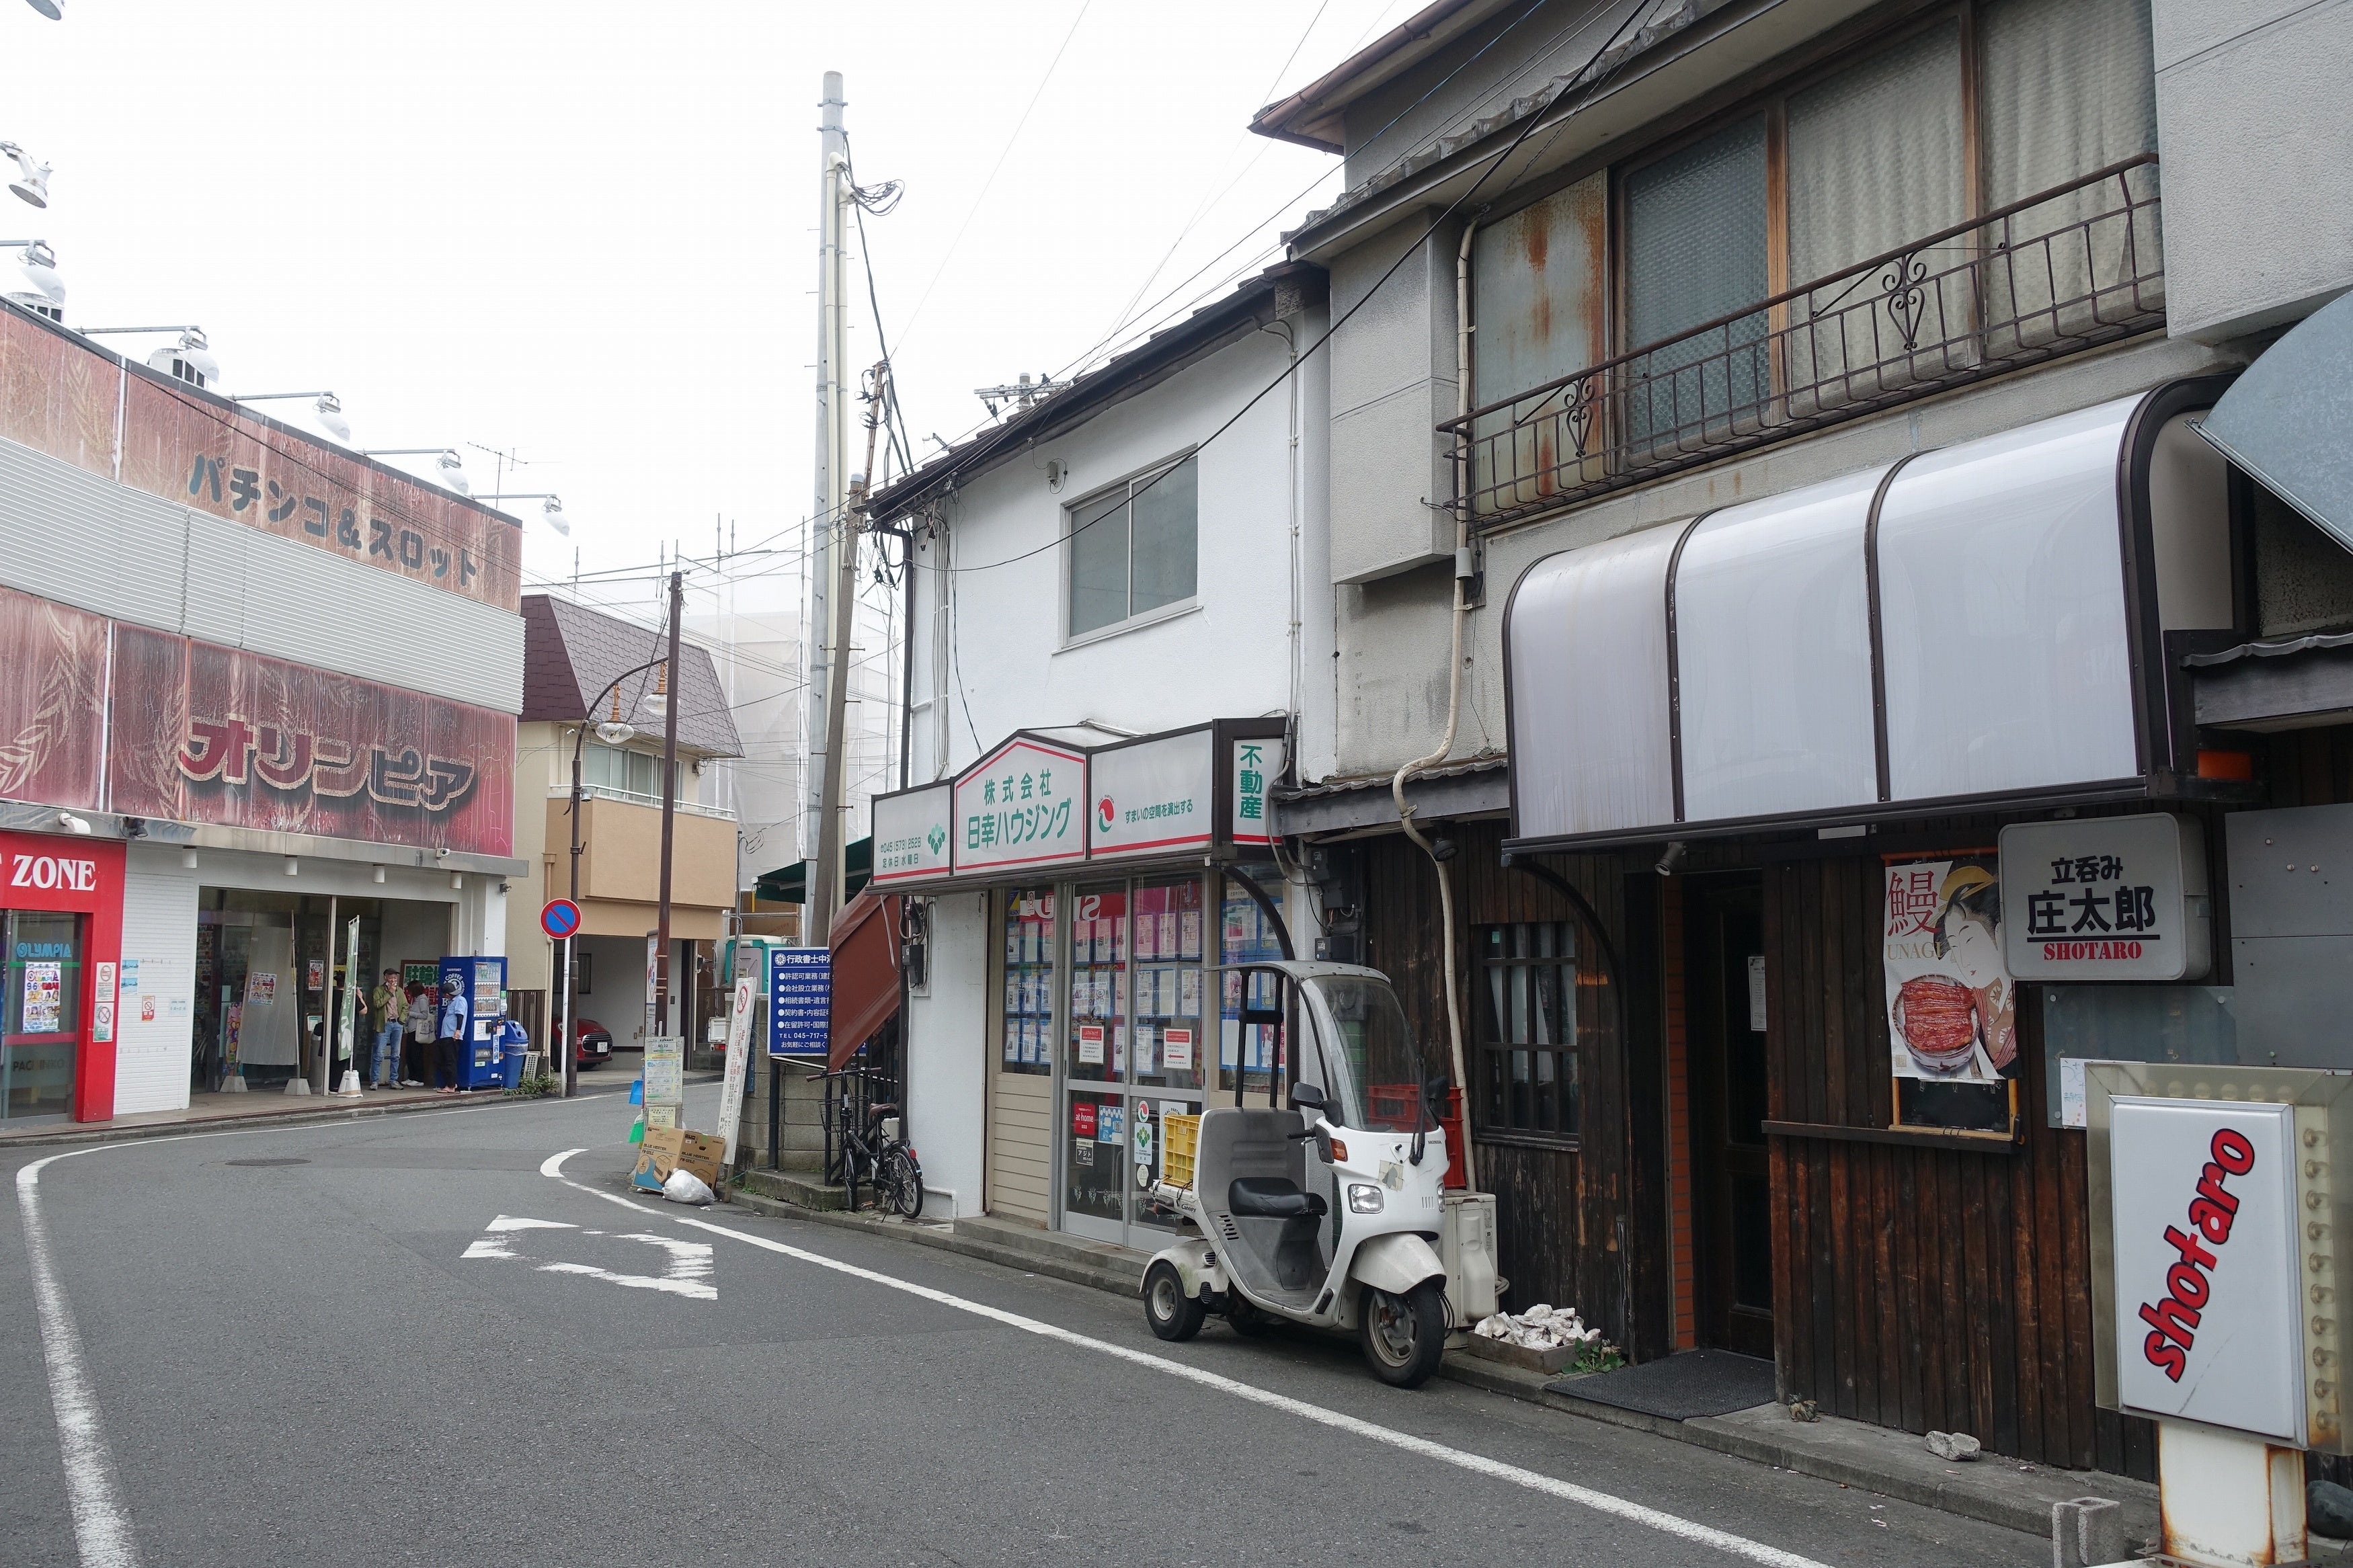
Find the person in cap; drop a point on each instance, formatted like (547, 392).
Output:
(450, 1043)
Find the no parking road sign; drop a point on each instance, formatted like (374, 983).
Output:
(560, 919)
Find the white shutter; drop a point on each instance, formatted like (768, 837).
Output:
(159, 934)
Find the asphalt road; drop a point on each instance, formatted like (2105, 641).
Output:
(291, 1358)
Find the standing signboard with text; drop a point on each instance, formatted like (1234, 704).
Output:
(800, 1001)
(742, 1003)
(2207, 1297)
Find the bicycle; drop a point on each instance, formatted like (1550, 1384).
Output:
(890, 1164)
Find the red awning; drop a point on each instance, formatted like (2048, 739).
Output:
(865, 972)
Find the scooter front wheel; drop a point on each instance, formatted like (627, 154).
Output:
(1172, 1314)
(1404, 1336)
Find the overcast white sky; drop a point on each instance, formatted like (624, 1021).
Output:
(583, 230)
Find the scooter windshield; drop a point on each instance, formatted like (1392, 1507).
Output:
(1377, 1070)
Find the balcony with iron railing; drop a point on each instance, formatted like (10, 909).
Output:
(2060, 271)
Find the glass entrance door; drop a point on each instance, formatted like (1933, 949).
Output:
(40, 1016)
(1133, 1046)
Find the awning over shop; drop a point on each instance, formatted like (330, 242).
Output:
(789, 884)
(1966, 625)
(865, 972)
(2288, 419)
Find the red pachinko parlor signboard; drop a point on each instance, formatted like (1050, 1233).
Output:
(204, 733)
(2207, 1289)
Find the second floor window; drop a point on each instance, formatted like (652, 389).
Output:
(626, 772)
(1133, 548)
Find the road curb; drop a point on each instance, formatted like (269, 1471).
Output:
(307, 1115)
(1994, 1499)
(945, 1239)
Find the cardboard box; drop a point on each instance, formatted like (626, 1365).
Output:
(702, 1155)
(668, 1149)
(657, 1158)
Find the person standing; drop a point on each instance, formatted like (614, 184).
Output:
(385, 1003)
(450, 1046)
(424, 1023)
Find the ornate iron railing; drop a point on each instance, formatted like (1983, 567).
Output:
(2065, 269)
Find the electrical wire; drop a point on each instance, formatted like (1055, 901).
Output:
(1006, 151)
(1495, 160)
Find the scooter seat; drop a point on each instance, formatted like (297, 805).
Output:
(1270, 1197)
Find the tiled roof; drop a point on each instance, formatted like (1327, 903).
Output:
(570, 654)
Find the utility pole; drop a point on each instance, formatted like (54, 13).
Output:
(826, 871)
(828, 522)
(669, 804)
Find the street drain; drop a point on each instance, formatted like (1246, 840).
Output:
(261, 1162)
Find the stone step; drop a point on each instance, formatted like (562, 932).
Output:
(801, 1190)
(1020, 1240)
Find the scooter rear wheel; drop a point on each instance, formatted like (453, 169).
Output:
(1404, 1336)
(1172, 1315)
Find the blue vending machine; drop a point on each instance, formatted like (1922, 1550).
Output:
(483, 980)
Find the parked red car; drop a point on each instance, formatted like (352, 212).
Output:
(593, 1042)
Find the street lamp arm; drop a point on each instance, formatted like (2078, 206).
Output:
(568, 1043)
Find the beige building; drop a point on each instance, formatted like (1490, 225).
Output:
(581, 670)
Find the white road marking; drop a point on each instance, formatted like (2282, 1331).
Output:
(688, 1270)
(101, 1521)
(1568, 1491)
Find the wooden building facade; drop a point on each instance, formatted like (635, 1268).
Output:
(1910, 1280)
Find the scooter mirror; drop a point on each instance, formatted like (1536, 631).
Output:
(1306, 1097)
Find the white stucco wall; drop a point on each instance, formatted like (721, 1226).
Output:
(948, 1059)
(1231, 656)
(2258, 160)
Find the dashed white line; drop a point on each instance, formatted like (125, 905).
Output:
(1568, 1491)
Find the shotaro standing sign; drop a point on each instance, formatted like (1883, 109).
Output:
(2207, 1296)
(2106, 897)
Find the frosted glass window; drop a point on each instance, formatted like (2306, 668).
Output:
(1588, 633)
(1773, 634)
(1875, 161)
(2066, 87)
(1695, 239)
(2003, 613)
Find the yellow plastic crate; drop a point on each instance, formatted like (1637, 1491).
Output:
(1179, 1137)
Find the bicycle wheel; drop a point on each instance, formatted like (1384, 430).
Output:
(901, 1181)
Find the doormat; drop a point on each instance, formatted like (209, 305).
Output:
(1692, 1383)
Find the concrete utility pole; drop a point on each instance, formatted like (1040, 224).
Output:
(669, 804)
(825, 871)
(827, 524)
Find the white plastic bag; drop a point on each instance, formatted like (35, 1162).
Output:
(685, 1187)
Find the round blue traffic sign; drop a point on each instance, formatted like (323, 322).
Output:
(560, 919)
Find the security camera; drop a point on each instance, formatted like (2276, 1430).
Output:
(440, 854)
(72, 824)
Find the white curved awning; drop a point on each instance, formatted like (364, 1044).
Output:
(1965, 626)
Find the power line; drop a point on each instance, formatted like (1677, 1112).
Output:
(1534, 119)
(1002, 153)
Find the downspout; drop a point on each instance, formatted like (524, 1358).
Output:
(1462, 326)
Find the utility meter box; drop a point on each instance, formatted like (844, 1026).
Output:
(2218, 1201)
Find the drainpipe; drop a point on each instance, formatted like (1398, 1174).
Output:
(1462, 326)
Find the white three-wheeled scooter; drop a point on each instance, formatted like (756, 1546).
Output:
(1326, 1213)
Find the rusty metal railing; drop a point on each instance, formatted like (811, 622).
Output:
(2065, 269)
